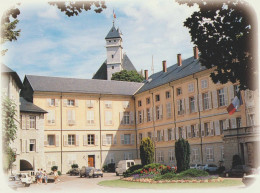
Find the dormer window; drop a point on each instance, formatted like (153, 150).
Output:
(112, 56)
(113, 67)
(109, 40)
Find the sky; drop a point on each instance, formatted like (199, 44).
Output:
(53, 44)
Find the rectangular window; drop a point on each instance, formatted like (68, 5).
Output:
(140, 117)
(195, 154)
(90, 117)
(251, 119)
(90, 103)
(71, 117)
(70, 102)
(207, 129)
(139, 103)
(127, 139)
(169, 134)
(191, 87)
(239, 122)
(148, 101)
(51, 139)
(126, 104)
(169, 110)
(171, 156)
(149, 134)
(108, 118)
(51, 116)
(157, 112)
(71, 139)
(221, 97)
(158, 135)
(140, 137)
(160, 156)
(180, 132)
(32, 145)
(52, 102)
(157, 97)
(32, 122)
(192, 104)
(109, 138)
(209, 154)
(167, 94)
(204, 83)
(179, 92)
(193, 132)
(91, 139)
(205, 101)
(108, 104)
(180, 107)
(148, 115)
(126, 118)
(222, 126)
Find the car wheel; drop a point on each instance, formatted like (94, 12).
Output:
(27, 185)
(101, 176)
(93, 176)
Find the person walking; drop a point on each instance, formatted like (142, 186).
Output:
(41, 175)
(56, 176)
(45, 177)
(37, 176)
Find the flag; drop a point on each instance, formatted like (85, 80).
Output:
(114, 15)
(235, 104)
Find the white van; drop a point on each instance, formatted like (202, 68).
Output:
(123, 165)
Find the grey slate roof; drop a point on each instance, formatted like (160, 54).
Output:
(102, 71)
(6, 69)
(26, 106)
(174, 72)
(73, 85)
(113, 33)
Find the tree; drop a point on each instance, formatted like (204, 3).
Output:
(8, 26)
(182, 154)
(130, 76)
(225, 32)
(9, 129)
(147, 151)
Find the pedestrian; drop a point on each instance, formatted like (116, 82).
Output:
(41, 175)
(37, 176)
(45, 177)
(56, 176)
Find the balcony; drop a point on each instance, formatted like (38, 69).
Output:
(252, 130)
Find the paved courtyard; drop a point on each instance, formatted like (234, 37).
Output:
(75, 184)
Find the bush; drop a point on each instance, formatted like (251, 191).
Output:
(111, 167)
(167, 176)
(54, 168)
(193, 173)
(152, 166)
(147, 151)
(105, 168)
(130, 171)
(74, 166)
(59, 173)
(182, 153)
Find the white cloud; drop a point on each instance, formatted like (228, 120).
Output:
(50, 12)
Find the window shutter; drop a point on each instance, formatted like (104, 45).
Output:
(85, 140)
(77, 140)
(121, 118)
(197, 130)
(161, 111)
(142, 114)
(132, 139)
(23, 122)
(65, 102)
(161, 135)
(200, 102)
(37, 122)
(165, 134)
(187, 105)
(217, 129)
(76, 103)
(189, 131)
(145, 116)
(136, 117)
(172, 133)
(138, 140)
(57, 140)
(131, 117)
(65, 138)
(96, 140)
(45, 140)
(202, 129)
(179, 105)
(184, 132)
(231, 92)
(27, 145)
(183, 103)
(195, 104)
(114, 139)
(27, 122)
(122, 139)
(104, 140)
(155, 135)
(210, 100)
(211, 128)
(177, 133)
(227, 124)
(215, 99)
(225, 96)
(57, 101)
(233, 123)
(151, 114)
(48, 102)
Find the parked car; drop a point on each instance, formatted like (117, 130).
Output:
(210, 168)
(195, 166)
(201, 167)
(250, 179)
(86, 171)
(123, 165)
(97, 173)
(74, 172)
(239, 171)
(19, 180)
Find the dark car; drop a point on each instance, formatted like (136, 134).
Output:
(239, 171)
(86, 171)
(74, 172)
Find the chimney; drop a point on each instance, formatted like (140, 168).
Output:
(179, 59)
(164, 66)
(196, 52)
(146, 74)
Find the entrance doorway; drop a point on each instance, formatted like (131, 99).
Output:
(25, 165)
(91, 161)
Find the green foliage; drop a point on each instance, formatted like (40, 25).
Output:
(9, 129)
(105, 168)
(236, 160)
(59, 173)
(152, 166)
(147, 151)
(225, 33)
(111, 167)
(74, 8)
(133, 170)
(53, 168)
(167, 176)
(130, 76)
(193, 173)
(74, 166)
(182, 154)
